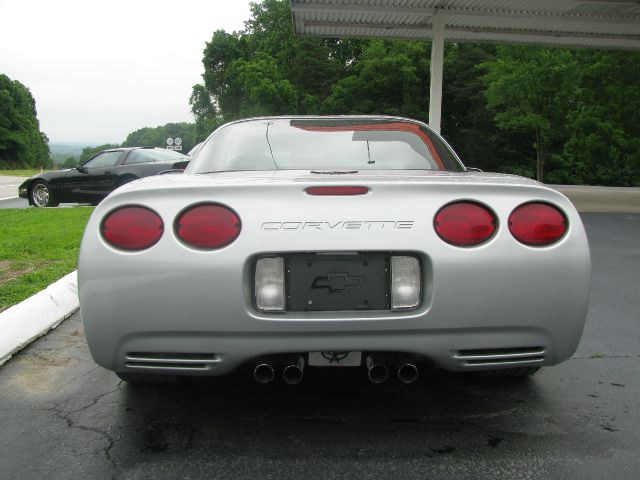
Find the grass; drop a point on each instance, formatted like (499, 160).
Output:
(21, 173)
(37, 247)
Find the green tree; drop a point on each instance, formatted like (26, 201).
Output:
(204, 112)
(260, 88)
(219, 54)
(390, 78)
(69, 162)
(22, 144)
(312, 65)
(603, 140)
(157, 136)
(267, 70)
(533, 89)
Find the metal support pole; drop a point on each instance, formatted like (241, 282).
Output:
(437, 62)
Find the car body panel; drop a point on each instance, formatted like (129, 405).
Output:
(158, 309)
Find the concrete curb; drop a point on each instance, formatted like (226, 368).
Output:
(23, 323)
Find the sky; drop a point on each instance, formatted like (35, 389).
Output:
(100, 70)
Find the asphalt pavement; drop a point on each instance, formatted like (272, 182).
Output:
(9, 189)
(63, 417)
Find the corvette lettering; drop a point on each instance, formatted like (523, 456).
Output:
(340, 225)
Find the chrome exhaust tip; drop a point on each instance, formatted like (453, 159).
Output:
(408, 373)
(264, 373)
(377, 372)
(294, 373)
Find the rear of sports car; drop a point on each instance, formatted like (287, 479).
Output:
(281, 271)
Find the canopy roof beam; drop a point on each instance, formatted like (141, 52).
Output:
(417, 12)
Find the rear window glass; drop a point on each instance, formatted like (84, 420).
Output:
(321, 144)
(158, 155)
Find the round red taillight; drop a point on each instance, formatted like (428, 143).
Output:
(208, 226)
(537, 224)
(132, 228)
(465, 224)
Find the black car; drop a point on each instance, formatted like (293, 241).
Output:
(94, 179)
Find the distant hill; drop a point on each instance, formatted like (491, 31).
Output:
(59, 152)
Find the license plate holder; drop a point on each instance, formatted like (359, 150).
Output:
(352, 282)
(335, 359)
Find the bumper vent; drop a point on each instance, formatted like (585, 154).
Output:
(175, 361)
(501, 356)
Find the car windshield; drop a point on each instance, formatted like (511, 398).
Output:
(324, 144)
(195, 149)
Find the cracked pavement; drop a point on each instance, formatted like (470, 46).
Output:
(64, 417)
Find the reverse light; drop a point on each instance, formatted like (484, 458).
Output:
(337, 190)
(208, 226)
(132, 228)
(269, 284)
(537, 224)
(465, 223)
(405, 282)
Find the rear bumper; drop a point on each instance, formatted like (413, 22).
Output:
(211, 354)
(201, 319)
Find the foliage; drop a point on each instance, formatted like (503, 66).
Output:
(37, 247)
(69, 162)
(265, 70)
(568, 116)
(390, 78)
(156, 137)
(260, 88)
(204, 112)
(603, 144)
(468, 124)
(22, 144)
(534, 90)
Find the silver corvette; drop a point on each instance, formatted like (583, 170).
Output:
(298, 243)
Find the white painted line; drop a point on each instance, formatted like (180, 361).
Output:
(23, 323)
(8, 198)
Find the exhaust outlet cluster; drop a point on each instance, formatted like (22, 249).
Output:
(377, 371)
(292, 373)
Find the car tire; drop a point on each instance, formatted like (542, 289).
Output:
(41, 196)
(511, 372)
(132, 377)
